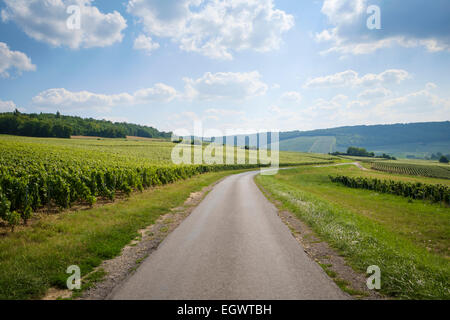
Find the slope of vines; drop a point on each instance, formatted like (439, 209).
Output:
(418, 190)
(35, 176)
(37, 173)
(432, 171)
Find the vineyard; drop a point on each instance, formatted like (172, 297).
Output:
(39, 173)
(432, 171)
(422, 191)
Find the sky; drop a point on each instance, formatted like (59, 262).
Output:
(249, 65)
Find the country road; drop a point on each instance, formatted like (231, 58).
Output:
(232, 246)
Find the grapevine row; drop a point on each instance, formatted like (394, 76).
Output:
(418, 190)
(432, 171)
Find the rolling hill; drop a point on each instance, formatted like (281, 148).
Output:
(402, 140)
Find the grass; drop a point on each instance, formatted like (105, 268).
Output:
(135, 151)
(408, 241)
(35, 258)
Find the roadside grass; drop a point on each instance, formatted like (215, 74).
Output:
(408, 241)
(34, 259)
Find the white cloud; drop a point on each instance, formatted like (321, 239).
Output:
(421, 105)
(275, 86)
(408, 24)
(46, 21)
(292, 96)
(421, 101)
(431, 86)
(335, 103)
(159, 93)
(226, 85)
(352, 78)
(7, 106)
(63, 99)
(376, 93)
(142, 42)
(214, 28)
(16, 60)
(346, 11)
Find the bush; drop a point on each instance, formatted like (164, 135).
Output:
(418, 190)
(443, 159)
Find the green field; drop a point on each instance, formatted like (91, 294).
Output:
(425, 170)
(34, 258)
(408, 240)
(38, 173)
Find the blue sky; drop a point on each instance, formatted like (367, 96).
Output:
(234, 64)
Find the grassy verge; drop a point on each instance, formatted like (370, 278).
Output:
(35, 259)
(408, 241)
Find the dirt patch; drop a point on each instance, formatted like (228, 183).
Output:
(55, 294)
(334, 265)
(121, 267)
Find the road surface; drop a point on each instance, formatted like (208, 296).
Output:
(232, 246)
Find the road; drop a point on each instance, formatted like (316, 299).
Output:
(232, 246)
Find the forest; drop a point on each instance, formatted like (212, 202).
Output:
(49, 125)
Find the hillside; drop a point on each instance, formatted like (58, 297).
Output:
(413, 139)
(60, 126)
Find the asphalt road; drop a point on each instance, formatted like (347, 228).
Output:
(232, 246)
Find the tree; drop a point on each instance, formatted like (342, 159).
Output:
(443, 159)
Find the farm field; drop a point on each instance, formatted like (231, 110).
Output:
(39, 173)
(34, 259)
(42, 177)
(408, 240)
(425, 170)
(422, 168)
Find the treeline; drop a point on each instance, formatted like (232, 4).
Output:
(440, 157)
(380, 135)
(418, 190)
(24, 125)
(60, 126)
(361, 152)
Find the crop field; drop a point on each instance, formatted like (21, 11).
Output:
(37, 173)
(407, 237)
(418, 190)
(425, 170)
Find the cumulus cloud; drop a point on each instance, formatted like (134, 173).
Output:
(15, 60)
(291, 96)
(142, 42)
(352, 78)
(7, 106)
(335, 103)
(421, 101)
(421, 105)
(376, 93)
(46, 21)
(62, 99)
(225, 85)
(214, 28)
(408, 24)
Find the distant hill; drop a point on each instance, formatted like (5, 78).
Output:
(60, 126)
(403, 140)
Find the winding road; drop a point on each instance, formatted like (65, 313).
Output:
(232, 246)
